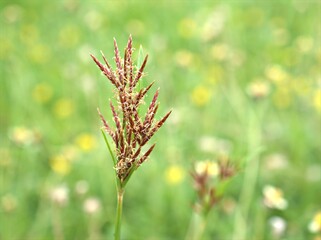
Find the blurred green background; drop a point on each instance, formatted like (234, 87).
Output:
(243, 80)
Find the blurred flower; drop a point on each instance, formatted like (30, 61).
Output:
(313, 173)
(8, 203)
(237, 57)
(83, 53)
(214, 25)
(226, 168)
(60, 164)
(176, 117)
(159, 43)
(212, 144)
(93, 20)
(281, 36)
(29, 34)
(317, 100)
(258, 89)
(69, 36)
(12, 13)
(276, 74)
(39, 53)
(24, 136)
(184, 58)
(63, 108)
(201, 96)
(278, 225)
(59, 195)
(210, 167)
(71, 70)
(86, 142)
(135, 27)
(228, 205)
(220, 51)
(304, 43)
(273, 198)
(276, 161)
(92, 205)
(42, 93)
(315, 224)
(174, 175)
(88, 84)
(70, 152)
(187, 27)
(6, 46)
(82, 187)
(70, 5)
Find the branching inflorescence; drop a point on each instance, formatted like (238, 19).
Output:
(132, 131)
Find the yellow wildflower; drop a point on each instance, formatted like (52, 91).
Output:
(69, 36)
(273, 198)
(220, 51)
(39, 53)
(86, 142)
(315, 224)
(6, 46)
(186, 27)
(304, 43)
(29, 34)
(258, 89)
(174, 175)
(136, 27)
(184, 58)
(42, 93)
(276, 74)
(60, 164)
(93, 20)
(63, 108)
(8, 203)
(201, 96)
(317, 100)
(22, 135)
(12, 13)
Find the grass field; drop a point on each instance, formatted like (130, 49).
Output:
(243, 80)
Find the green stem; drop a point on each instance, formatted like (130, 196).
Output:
(120, 194)
(197, 227)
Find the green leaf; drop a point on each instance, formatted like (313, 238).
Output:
(108, 146)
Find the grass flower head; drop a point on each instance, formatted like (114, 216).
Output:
(132, 131)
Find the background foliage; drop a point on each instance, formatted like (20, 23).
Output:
(243, 79)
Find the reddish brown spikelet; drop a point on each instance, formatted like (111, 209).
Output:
(151, 107)
(142, 93)
(132, 131)
(99, 64)
(128, 58)
(106, 71)
(116, 118)
(145, 156)
(140, 72)
(117, 57)
(227, 169)
(156, 127)
(107, 127)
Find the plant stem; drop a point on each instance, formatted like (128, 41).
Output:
(197, 227)
(120, 194)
